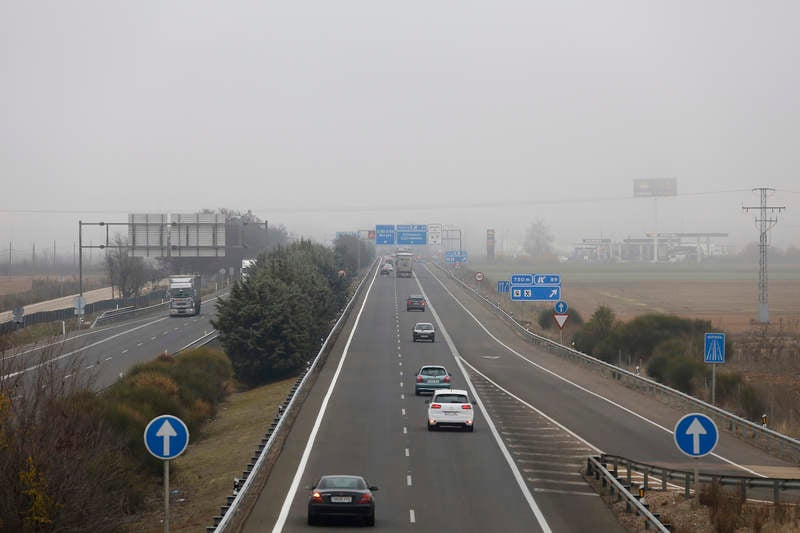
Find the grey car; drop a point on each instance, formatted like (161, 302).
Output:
(423, 331)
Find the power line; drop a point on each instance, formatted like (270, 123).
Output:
(404, 206)
(768, 217)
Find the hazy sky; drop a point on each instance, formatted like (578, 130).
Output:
(333, 116)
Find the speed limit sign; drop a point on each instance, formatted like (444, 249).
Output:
(478, 276)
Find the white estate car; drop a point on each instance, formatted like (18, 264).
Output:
(450, 408)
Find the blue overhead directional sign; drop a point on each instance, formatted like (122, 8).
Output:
(522, 279)
(696, 435)
(546, 279)
(455, 256)
(540, 293)
(714, 351)
(412, 234)
(560, 307)
(384, 234)
(503, 286)
(166, 437)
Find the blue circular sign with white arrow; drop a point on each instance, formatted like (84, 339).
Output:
(696, 435)
(166, 437)
(561, 307)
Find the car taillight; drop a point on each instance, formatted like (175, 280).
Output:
(447, 379)
(419, 379)
(408, 302)
(316, 497)
(436, 406)
(365, 498)
(466, 406)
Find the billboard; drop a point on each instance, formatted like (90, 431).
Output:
(655, 187)
(177, 235)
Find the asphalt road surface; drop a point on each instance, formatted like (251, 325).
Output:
(105, 354)
(538, 418)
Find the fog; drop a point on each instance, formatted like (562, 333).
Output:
(337, 116)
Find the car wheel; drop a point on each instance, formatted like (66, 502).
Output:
(432, 338)
(470, 428)
(415, 339)
(430, 427)
(370, 520)
(312, 520)
(416, 392)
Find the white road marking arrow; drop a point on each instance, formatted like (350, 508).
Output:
(166, 431)
(695, 430)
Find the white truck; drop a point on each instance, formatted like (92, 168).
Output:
(184, 295)
(246, 264)
(403, 264)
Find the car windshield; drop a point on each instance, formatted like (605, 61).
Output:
(433, 372)
(451, 398)
(425, 327)
(342, 482)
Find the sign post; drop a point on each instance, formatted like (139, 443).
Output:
(560, 316)
(166, 437)
(696, 435)
(478, 278)
(714, 353)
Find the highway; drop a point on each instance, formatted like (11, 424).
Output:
(103, 354)
(539, 417)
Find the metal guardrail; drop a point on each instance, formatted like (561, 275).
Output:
(773, 442)
(68, 313)
(743, 483)
(620, 491)
(242, 486)
(123, 313)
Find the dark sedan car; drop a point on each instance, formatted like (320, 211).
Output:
(342, 496)
(415, 302)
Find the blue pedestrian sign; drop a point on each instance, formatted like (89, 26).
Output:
(166, 437)
(503, 286)
(535, 293)
(714, 351)
(696, 435)
(561, 307)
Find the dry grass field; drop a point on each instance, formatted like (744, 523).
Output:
(730, 305)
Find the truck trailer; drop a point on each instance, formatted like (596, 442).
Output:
(184, 295)
(403, 264)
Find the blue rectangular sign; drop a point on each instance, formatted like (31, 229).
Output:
(535, 293)
(384, 234)
(522, 279)
(412, 237)
(503, 286)
(546, 279)
(714, 351)
(455, 256)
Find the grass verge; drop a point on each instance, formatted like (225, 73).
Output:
(202, 477)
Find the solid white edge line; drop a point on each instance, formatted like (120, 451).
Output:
(290, 495)
(580, 387)
(523, 486)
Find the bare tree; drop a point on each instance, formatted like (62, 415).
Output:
(126, 272)
(539, 239)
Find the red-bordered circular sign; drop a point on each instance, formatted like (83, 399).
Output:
(478, 276)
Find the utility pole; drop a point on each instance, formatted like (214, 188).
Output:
(765, 221)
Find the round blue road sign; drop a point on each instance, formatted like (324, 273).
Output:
(561, 307)
(166, 437)
(696, 435)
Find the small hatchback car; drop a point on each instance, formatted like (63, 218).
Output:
(415, 302)
(431, 378)
(450, 408)
(341, 496)
(423, 331)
